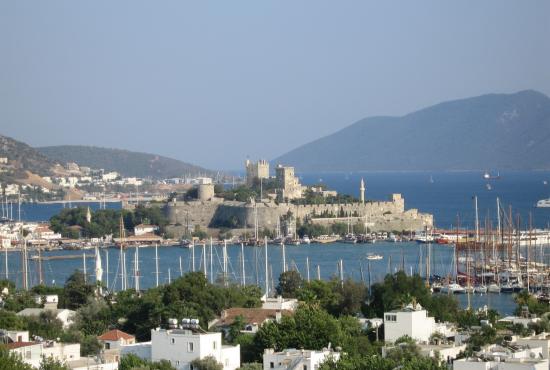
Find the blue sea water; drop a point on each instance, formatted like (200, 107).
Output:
(451, 193)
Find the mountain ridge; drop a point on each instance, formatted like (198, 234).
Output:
(500, 131)
(126, 162)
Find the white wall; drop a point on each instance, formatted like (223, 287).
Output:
(415, 324)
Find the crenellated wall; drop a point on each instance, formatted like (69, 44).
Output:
(380, 215)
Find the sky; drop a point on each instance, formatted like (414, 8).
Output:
(213, 83)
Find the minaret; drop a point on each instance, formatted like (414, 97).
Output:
(362, 191)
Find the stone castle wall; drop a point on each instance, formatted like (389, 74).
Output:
(380, 216)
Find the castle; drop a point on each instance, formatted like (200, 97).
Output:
(211, 213)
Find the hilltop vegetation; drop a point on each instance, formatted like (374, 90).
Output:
(125, 162)
(22, 158)
(496, 131)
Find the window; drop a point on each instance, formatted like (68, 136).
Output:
(271, 365)
(177, 362)
(107, 345)
(190, 347)
(214, 346)
(28, 355)
(173, 340)
(391, 318)
(305, 367)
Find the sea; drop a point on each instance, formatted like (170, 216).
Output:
(446, 195)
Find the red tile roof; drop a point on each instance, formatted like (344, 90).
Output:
(114, 335)
(16, 345)
(250, 315)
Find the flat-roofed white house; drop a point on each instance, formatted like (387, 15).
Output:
(299, 359)
(496, 357)
(413, 321)
(180, 346)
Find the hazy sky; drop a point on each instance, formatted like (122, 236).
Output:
(212, 82)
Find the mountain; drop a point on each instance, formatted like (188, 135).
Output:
(488, 132)
(127, 163)
(22, 158)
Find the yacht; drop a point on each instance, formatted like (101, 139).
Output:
(306, 240)
(480, 289)
(374, 257)
(493, 288)
(543, 203)
(452, 288)
(325, 239)
(350, 239)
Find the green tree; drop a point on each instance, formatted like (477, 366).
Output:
(11, 361)
(289, 284)
(49, 363)
(77, 292)
(207, 363)
(251, 366)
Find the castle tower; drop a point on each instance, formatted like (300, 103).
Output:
(362, 191)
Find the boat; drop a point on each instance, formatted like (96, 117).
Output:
(480, 289)
(325, 239)
(374, 257)
(488, 186)
(488, 176)
(306, 240)
(543, 203)
(452, 288)
(349, 239)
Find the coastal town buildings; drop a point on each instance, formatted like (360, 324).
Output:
(291, 359)
(500, 357)
(413, 321)
(33, 352)
(180, 345)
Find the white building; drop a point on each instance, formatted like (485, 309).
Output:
(298, 359)
(110, 176)
(495, 357)
(181, 346)
(142, 229)
(541, 340)
(32, 353)
(65, 316)
(414, 322)
(279, 303)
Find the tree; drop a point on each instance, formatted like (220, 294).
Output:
(11, 361)
(132, 362)
(251, 366)
(289, 284)
(207, 363)
(49, 363)
(77, 291)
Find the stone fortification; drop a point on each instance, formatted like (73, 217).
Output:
(215, 213)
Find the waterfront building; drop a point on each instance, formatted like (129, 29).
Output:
(302, 359)
(256, 170)
(413, 321)
(181, 345)
(143, 229)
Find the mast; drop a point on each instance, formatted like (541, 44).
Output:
(25, 267)
(40, 276)
(193, 257)
(169, 276)
(181, 267)
(157, 264)
(84, 267)
(477, 220)
(136, 269)
(266, 270)
(307, 268)
(225, 262)
(243, 276)
(318, 272)
(204, 259)
(107, 266)
(122, 256)
(341, 273)
(284, 257)
(6, 262)
(211, 263)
